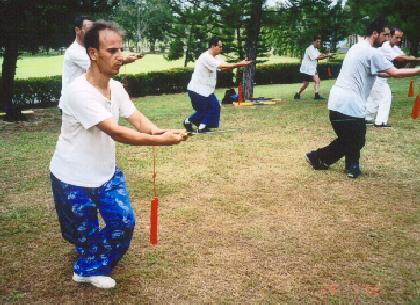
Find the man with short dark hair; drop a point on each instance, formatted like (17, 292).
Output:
(308, 70)
(76, 60)
(379, 101)
(202, 85)
(85, 178)
(347, 100)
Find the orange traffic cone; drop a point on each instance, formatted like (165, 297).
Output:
(411, 89)
(240, 94)
(329, 72)
(416, 108)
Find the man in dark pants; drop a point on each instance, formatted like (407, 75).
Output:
(202, 85)
(348, 98)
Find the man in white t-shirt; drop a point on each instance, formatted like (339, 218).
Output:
(76, 61)
(308, 70)
(202, 85)
(379, 101)
(84, 176)
(348, 97)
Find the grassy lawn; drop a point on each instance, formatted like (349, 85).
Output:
(243, 218)
(38, 65)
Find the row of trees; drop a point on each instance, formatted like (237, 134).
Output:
(248, 28)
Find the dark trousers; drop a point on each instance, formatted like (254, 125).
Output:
(351, 137)
(207, 110)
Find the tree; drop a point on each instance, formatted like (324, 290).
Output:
(194, 20)
(252, 38)
(403, 14)
(299, 20)
(28, 24)
(144, 19)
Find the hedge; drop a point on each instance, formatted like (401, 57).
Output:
(44, 91)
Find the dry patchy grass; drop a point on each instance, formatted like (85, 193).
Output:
(243, 219)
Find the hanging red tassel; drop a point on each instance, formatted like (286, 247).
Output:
(154, 206)
(154, 221)
(415, 112)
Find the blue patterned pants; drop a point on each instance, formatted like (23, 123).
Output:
(77, 208)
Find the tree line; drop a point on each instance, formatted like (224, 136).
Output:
(248, 28)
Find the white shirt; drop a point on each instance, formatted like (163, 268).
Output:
(203, 80)
(85, 155)
(76, 63)
(309, 61)
(354, 83)
(390, 53)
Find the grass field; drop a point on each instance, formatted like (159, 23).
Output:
(243, 218)
(37, 66)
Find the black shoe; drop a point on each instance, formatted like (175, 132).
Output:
(369, 123)
(383, 125)
(313, 159)
(318, 97)
(297, 96)
(354, 171)
(203, 130)
(188, 127)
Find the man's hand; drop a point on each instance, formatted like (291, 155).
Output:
(169, 138)
(131, 57)
(244, 63)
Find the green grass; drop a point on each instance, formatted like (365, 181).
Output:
(243, 218)
(41, 65)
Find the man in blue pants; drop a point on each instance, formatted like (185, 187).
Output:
(85, 179)
(202, 85)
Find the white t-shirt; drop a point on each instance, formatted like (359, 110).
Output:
(354, 83)
(85, 155)
(76, 63)
(390, 53)
(203, 80)
(309, 61)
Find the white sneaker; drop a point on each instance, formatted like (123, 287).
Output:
(97, 281)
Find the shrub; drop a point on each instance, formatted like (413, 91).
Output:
(44, 91)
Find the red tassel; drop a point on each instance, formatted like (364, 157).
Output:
(154, 221)
(329, 72)
(411, 89)
(416, 108)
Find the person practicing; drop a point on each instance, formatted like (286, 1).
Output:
(379, 101)
(76, 61)
(202, 85)
(308, 70)
(347, 100)
(85, 179)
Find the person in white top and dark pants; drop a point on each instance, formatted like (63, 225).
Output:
(348, 98)
(308, 71)
(202, 85)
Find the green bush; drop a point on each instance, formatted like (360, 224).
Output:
(39, 91)
(44, 91)
(289, 73)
